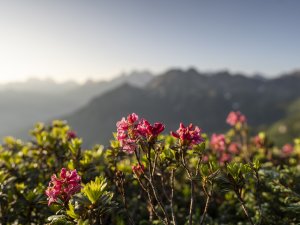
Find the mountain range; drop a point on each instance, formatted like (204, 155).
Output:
(25, 103)
(189, 96)
(175, 96)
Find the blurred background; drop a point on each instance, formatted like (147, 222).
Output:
(92, 62)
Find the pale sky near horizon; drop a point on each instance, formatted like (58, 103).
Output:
(64, 39)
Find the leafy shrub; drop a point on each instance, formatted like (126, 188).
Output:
(145, 177)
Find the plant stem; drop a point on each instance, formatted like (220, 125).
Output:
(198, 166)
(244, 208)
(166, 220)
(163, 187)
(154, 164)
(192, 188)
(150, 199)
(205, 210)
(258, 199)
(172, 197)
(122, 190)
(154, 188)
(191, 203)
(208, 197)
(150, 181)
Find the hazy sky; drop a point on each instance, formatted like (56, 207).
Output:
(70, 39)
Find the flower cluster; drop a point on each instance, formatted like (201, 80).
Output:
(259, 140)
(218, 143)
(287, 149)
(188, 136)
(71, 135)
(130, 130)
(148, 131)
(219, 147)
(223, 150)
(63, 187)
(234, 148)
(127, 133)
(235, 118)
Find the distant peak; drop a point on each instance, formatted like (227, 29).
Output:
(192, 70)
(224, 73)
(127, 85)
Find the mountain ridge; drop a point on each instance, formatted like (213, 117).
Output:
(23, 105)
(188, 96)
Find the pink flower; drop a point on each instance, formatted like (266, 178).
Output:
(122, 124)
(234, 118)
(131, 118)
(234, 148)
(188, 136)
(205, 159)
(130, 130)
(148, 131)
(223, 152)
(127, 133)
(258, 141)
(138, 169)
(129, 145)
(225, 157)
(71, 134)
(287, 149)
(218, 142)
(64, 186)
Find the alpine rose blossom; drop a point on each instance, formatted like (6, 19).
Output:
(131, 130)
(131, 118)
(129, 145)
(234, 118)
(188, 136)
(218, 143)
(149, 131)
(234, 148)
(219, 147)
(224, 158)
(287, 149)
(71, 134)
(127, 133)
(63, 187)
(259, 141)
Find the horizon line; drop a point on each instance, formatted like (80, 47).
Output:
(128, 73)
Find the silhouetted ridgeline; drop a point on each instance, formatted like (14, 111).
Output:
(25, 103)
(189, 96)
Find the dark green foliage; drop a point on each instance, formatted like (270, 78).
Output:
(264, 191)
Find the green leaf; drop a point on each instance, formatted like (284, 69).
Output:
(85, 222)
(59, 220)
(95, 189)
(199, 149)
(71, 212)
